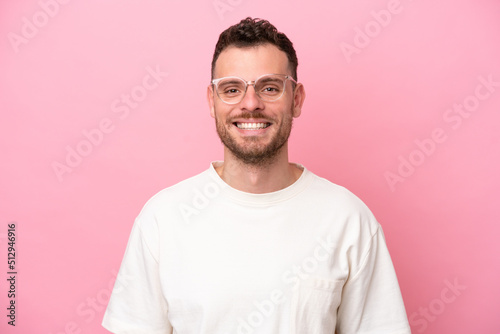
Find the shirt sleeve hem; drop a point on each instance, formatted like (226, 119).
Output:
(117, 326)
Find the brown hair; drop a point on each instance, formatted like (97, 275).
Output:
(253, 32)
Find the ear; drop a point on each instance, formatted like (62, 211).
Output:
(210, 100)
(299, 96)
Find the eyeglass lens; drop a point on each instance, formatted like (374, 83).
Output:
(268, 88)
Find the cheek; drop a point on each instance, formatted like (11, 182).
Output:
(221, 112)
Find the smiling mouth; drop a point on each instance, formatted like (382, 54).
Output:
(251, 126)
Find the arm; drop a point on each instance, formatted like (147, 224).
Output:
(371, 299)
(137, 304)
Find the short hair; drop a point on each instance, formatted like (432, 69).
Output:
(254, 32)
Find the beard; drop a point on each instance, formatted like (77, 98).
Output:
(251, 151)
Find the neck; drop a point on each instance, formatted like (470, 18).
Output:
(259, 179)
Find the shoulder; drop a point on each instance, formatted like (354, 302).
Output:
(337, 195)
(171, 198)
(180, 190)
(345, 204)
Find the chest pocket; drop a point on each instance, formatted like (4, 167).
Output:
(314, 305)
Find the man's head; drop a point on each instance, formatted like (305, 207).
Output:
(254, 112)
(253, 32)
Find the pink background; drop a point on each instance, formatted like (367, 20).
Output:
(64, 73)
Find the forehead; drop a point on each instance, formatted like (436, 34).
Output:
(251, 62)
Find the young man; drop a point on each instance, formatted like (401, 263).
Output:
(256, 244)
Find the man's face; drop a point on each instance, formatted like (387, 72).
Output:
(254, 146)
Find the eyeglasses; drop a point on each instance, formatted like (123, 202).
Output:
(268, 87)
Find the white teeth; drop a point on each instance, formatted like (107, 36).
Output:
(252, 126)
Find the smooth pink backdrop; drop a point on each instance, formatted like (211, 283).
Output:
(382, 78)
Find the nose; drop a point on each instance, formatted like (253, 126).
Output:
(251, 100)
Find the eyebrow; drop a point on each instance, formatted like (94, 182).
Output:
(230, 82)
(269, 79)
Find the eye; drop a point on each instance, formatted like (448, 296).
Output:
(231, 91)
(270, 89)
(231, 87)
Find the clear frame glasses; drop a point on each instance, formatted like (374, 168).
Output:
(268, 87)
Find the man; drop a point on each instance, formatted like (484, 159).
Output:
(256, 244)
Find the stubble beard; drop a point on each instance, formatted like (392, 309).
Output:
(250, 152)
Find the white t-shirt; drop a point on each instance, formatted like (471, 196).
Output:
(205, 258)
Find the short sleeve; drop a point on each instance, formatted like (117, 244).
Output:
(137, 304)
(371, 299)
